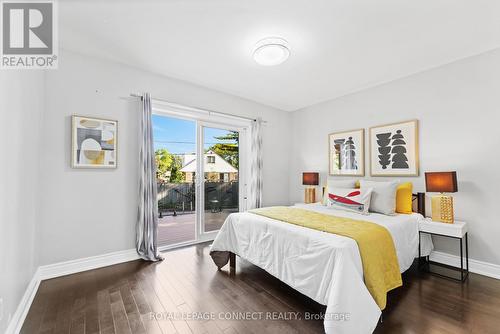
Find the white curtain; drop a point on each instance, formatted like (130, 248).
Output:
(255, 180)
(147, 220)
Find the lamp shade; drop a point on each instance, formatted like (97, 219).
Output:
(441, 182)
(310, 179)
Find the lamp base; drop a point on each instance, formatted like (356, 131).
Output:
(310, 195)
(442, 209)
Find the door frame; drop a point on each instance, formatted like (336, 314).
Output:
(202, 120)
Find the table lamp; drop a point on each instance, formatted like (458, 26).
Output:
(442, 205)
(311, 180)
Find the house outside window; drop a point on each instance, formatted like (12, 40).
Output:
(216, 168)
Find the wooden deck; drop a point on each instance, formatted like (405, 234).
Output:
(181, 228)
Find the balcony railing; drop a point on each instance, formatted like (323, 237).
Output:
(179, 198)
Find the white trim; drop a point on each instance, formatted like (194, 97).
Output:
(17, 320)
(87, 263)
(475, 266)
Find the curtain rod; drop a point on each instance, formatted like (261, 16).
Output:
(180, 106)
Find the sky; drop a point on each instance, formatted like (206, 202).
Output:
(178, 136)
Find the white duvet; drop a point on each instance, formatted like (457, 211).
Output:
(325, 267)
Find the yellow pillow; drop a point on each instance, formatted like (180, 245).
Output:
(404, 198)
(357, 184)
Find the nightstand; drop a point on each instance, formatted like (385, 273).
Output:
(457, 231)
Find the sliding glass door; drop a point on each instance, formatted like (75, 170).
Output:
(221, 161)
(199, 179)
(175, 151)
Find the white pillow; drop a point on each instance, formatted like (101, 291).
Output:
(349, 199)
(383, 196)
(337, 184)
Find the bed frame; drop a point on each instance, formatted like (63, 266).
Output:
(420, 208)
(420, 198)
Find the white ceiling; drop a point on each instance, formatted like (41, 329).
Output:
(337, 46)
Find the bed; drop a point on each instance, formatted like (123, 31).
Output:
(323, 266)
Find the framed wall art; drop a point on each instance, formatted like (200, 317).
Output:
(93, 143)
(394, 149)
(346, 153)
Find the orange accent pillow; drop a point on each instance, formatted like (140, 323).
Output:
(404, 198)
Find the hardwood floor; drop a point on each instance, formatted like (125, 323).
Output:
(121, 298)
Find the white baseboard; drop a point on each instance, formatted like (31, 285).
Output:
(88, 263)
(475, 266)
(62, 269)
(17, 320)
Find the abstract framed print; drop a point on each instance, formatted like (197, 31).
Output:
(93, 142)
(394, 149)
(346, 153)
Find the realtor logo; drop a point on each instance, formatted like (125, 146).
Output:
(28, 35)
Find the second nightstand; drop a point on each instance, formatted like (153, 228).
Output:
(458, 231)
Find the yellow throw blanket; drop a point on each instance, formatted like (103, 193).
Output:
(378, 255)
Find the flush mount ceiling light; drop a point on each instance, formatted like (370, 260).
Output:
(271, 51)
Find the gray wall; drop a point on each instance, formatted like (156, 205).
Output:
(21, 106)
(91, 212)
(458, 109)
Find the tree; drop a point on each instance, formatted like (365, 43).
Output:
(163, 164)
(168, 166)
(176, 175)
(229, 150)
(231, 135)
